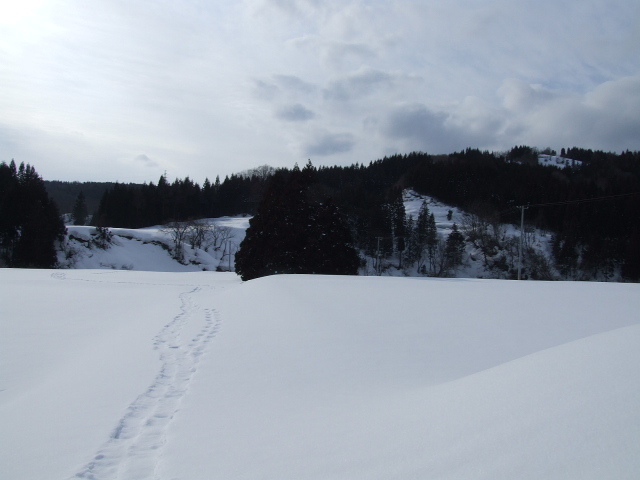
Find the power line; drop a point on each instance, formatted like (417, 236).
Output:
(567, 202)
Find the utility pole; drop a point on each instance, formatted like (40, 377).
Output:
(522, 207)
(232, 245)
(378, 266)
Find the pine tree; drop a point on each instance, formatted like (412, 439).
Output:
(432, 242)
(454, 249)
(80, 211)
(423, 243)
(397, 216)
(419, 235)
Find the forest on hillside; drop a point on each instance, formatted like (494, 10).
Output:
(591, 205)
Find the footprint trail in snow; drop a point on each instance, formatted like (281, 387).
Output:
(133, 450)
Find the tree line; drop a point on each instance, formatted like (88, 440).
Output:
(135, 206)
(30, 224)
(589, 238)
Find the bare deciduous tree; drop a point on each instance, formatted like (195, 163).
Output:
(220, 236)
(178, 232)
(197, 233)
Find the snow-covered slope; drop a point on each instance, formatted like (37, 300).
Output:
(150, 249)
(122, 375)
(556, 161)
(441, 211)
(478, 263)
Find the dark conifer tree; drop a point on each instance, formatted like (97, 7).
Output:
(432, 242)
(30, 223)
(330, 247)
(418, 238)
(292, 233)
(80, 210)
(454, 249)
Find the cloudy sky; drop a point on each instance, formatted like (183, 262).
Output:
(124, 90)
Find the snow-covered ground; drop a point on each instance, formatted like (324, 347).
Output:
(556, 161)
(473, 265)
(149, 249)
(110, 374)
(413, 201)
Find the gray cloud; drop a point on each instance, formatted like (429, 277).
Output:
(603, 118)
(418, 125)
(358, 84)
(146, 161)
(265, 90)
(294, 84)
(331, 144)
(295, 113)
(419, 128)
(278, 86)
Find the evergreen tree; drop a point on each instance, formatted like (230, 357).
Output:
(397, 216)
(80, 210)
(30, 223)
(454, 249)
(432, 243)
(330, 247)
(419, 235)
(292, 233)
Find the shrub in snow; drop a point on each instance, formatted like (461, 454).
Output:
(103, 238)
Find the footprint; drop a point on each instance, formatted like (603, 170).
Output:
(134, 448)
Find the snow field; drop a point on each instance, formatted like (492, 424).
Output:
(119, 375)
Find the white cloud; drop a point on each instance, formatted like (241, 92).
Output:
(518, 95)
(330, 144)
(604, 118)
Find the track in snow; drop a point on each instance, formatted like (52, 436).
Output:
(134, 448)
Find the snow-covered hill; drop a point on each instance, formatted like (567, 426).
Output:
(109, 374)
(492, 253)
(499, 261)
(152, 249)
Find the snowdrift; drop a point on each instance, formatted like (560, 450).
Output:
(122, 374)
